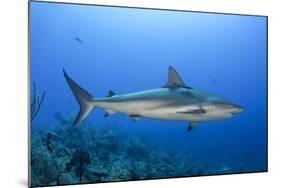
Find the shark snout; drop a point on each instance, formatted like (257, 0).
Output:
(237, 109)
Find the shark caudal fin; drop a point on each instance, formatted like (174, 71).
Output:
(84, 99)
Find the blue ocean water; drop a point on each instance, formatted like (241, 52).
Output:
(128, 50)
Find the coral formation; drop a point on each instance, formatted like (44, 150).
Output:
(84, 154)
(79, 162)
(36, 102)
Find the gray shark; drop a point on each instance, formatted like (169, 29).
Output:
(173, 101)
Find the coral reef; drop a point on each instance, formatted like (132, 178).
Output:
(79, 162)
(36, 102)
(84, 154)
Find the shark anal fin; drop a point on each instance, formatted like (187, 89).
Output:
(191, 126)
(110, 93)
(174, 79)
(108, 113)
(135, 117)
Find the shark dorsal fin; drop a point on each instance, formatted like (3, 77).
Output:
(110, 93)
(174, 79)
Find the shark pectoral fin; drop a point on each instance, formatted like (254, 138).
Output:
(174, 79)
(135, 117)
(110, 93)
(191, 126)
(108, 113)
(198, 111)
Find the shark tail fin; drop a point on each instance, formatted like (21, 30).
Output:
(84, 99)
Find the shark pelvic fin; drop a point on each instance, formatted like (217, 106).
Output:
(191, 126)
(110, 93)
(108, 113)
(135, 117)
(84, 99)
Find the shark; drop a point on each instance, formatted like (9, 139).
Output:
(173, 101)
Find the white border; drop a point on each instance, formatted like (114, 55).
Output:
(13, 100)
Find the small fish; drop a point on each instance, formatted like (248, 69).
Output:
(214, 81)
(78, 40)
